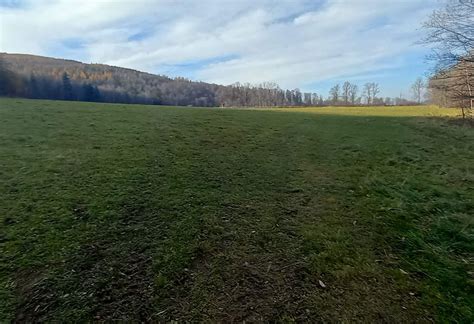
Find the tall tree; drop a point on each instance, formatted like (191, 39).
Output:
(450, 32)
(417, 89)
(297, 97)
(367, 92)
(321, 100)
(33, 86)
(375, 90)
(307, 98)
(334, 94)
(90, 93)
(67, 87)
(371, 89)
(346, 92)
(353, 93)
(11, 84)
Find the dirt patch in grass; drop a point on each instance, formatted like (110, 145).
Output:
(28, 284)
(242, 276)
(108, 286)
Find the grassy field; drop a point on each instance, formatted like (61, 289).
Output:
(115, 212)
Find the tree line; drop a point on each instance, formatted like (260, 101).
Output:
(450, 32)
(348, 94)
(46, 78)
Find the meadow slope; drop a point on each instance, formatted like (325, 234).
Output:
(116, 212)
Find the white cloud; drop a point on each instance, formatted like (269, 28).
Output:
(292, 42)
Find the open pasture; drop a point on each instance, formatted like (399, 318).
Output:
(128, 212)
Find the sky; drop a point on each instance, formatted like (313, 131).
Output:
(310, 45)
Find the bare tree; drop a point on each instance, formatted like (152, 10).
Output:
(450, 32)
(353, 93)
(346, 92)
(297, 96)
(307, 99)
(334, 94)
(371, 89)
(417, 89)
(375, 90)
(367, 92)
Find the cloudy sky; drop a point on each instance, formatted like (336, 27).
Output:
(306, 44)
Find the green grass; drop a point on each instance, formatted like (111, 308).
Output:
(116, 212)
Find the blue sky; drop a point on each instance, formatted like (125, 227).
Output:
(303, 44)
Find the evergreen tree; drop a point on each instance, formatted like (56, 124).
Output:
(90, 92)
(33, 87)
(67, 88)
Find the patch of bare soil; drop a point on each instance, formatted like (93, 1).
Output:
(109, 288)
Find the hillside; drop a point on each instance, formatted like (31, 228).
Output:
(111, 79)
(117, 84)
(105, 76)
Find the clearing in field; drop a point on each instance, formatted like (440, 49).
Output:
(116, 212)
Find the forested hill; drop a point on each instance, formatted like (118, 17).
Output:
(43, 77)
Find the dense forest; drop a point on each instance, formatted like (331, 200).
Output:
(39, 77)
